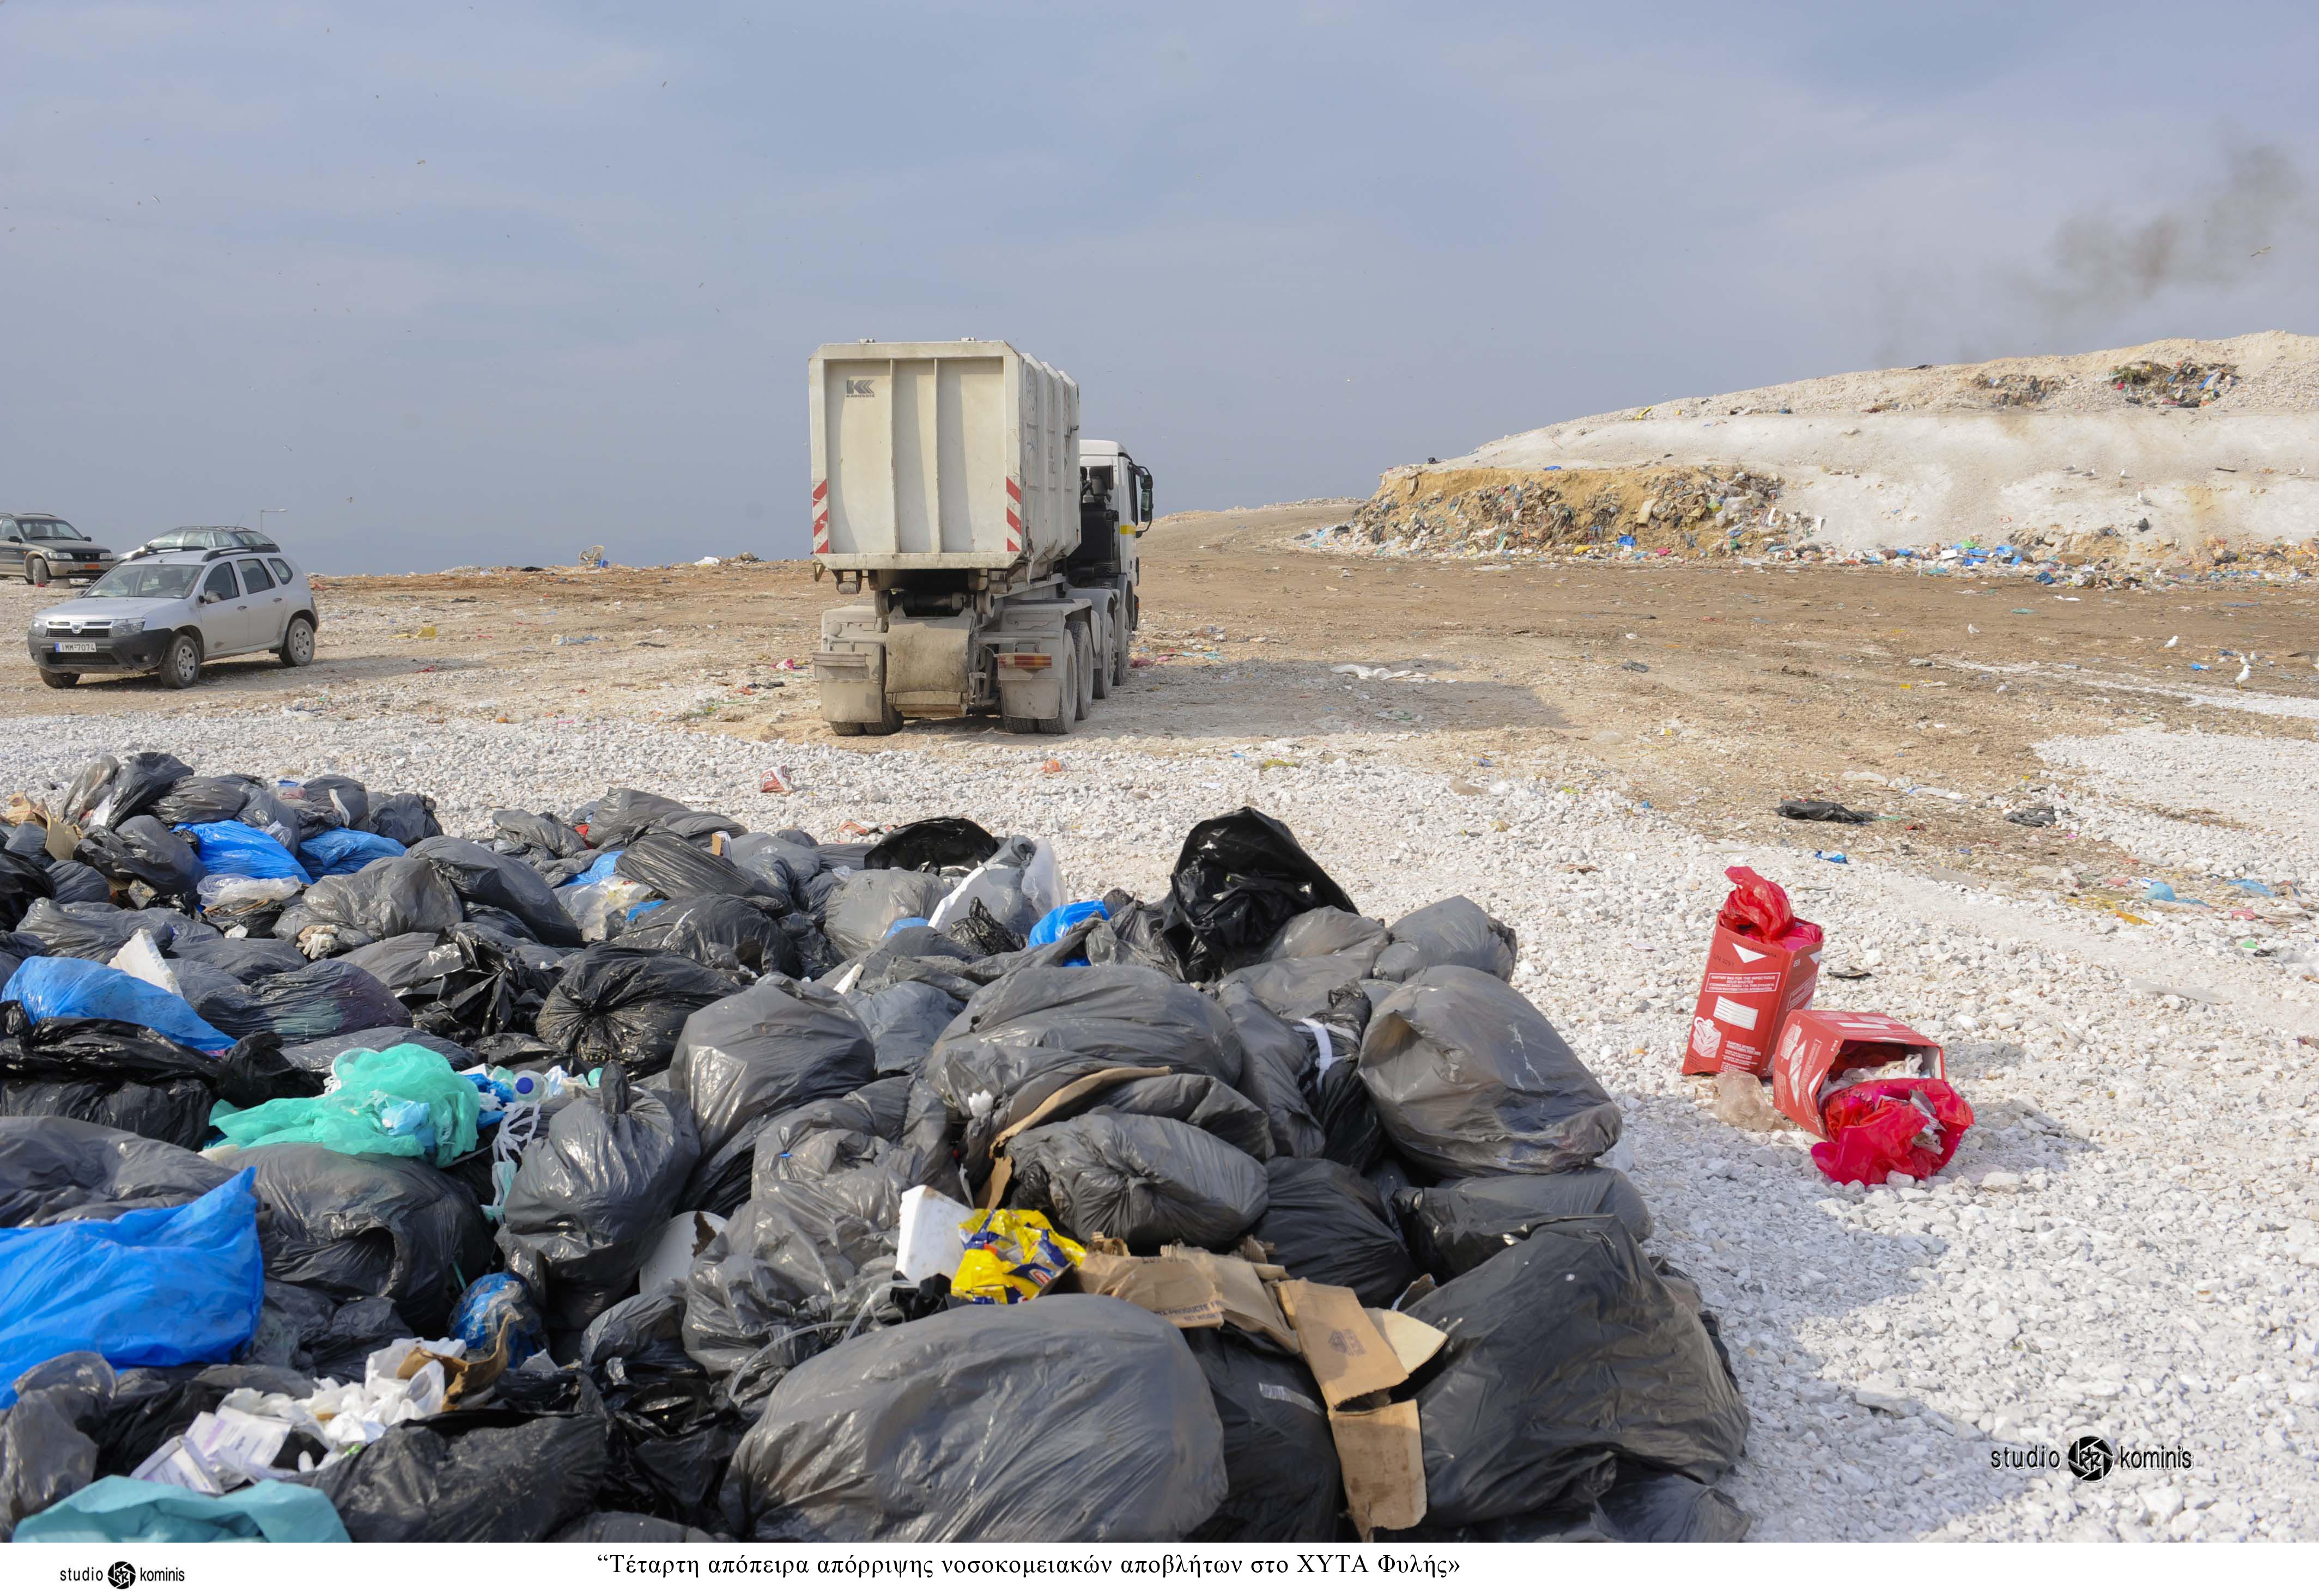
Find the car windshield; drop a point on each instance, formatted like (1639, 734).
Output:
(145, 581)
(49, 532)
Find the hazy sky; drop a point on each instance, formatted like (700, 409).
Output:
(462, 283)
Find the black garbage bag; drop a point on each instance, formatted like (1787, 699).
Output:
(1277, 1059)
(368, 1227)
(794, 1268)
(329, 803)
(407, 817)
(1468, 1078)
(481, 876)
(1320, 933)
(29, 839)
(402, 962)
(54, 1170)
(626, 1005)
(1065, 1418)
(1452, 1229)
(97, 931)
(318, 1335)
(904, 1021)
(944, 840)
(14, 951)
(385, 898)
(110, 1072)
(469, 983)
(1823, 809)
(718, 929)
(1455, 931)
(46, 1453)
(23, 882)
(674, 870)
(1569, 1357)
(243, 958)
(148, 1406)
(518, 832)
(749, 1057)
(1325, 1223)
(142, 849)
(142, 781)
(204, 800)
(855, 1151)
(1238, 880)
(268, 811)
(816, 955)
(71, 882)
(672, 1437)
(1198, 1100)
(329, 997)
(315, 1058)
(862, 908)
(90, 787)
(625, 814)
(780, 863)
(1145, 1181)
(1016, 1029)
(1280, 1459)
(1134, 932)
(592, 1193)
(1296, 988)
(1349, 1130)
(518, 1466)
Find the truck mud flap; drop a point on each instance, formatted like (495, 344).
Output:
(853, 682)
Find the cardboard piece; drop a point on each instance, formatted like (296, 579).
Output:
(1191, 1289)
(1819, 1046)
(461, 1376)
(1750, 989)
(1358, 1355)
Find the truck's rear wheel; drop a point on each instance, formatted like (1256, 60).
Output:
(1018, 725)
(846, 728)
(1082, 687)
(886, 727)
(1099, 660)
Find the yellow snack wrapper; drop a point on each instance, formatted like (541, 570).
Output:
(1012, 1254)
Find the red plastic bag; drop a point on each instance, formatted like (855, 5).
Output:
(1756, 908)
(1880, 1127)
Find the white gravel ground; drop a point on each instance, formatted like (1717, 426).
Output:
(2124, 1245)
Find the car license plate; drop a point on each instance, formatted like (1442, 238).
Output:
(88, 646)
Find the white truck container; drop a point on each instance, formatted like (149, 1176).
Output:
(951, 494)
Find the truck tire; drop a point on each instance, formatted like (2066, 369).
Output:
(1099, 655)
(1082, 671)
(1122, 651)
(1017, 726)
(846, 728)
(1057, 724)
(887, 727)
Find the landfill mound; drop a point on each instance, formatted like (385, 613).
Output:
(628, 1175)
(2183, 454)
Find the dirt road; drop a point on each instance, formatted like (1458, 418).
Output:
(1713, 692)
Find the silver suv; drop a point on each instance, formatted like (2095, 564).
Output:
(171, 613)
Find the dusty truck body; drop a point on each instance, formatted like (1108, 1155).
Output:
(989, 554)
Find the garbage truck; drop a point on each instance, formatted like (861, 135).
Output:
(987, 550)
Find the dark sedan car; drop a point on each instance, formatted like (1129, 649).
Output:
(41, 548)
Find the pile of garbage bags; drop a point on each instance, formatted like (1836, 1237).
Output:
(627, 1174)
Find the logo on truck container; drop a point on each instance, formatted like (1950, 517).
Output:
(861, 388)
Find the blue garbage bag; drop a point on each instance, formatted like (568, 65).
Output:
(120, 1509)
(342, 853)
(603, 869)
(154, 1288)
(230, 848)
(83, 990)
(494, 1305)
(1057, 921)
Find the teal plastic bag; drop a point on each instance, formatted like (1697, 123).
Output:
(406, 1102)
(120, 1509)
(152, 1289)
(83, 990)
